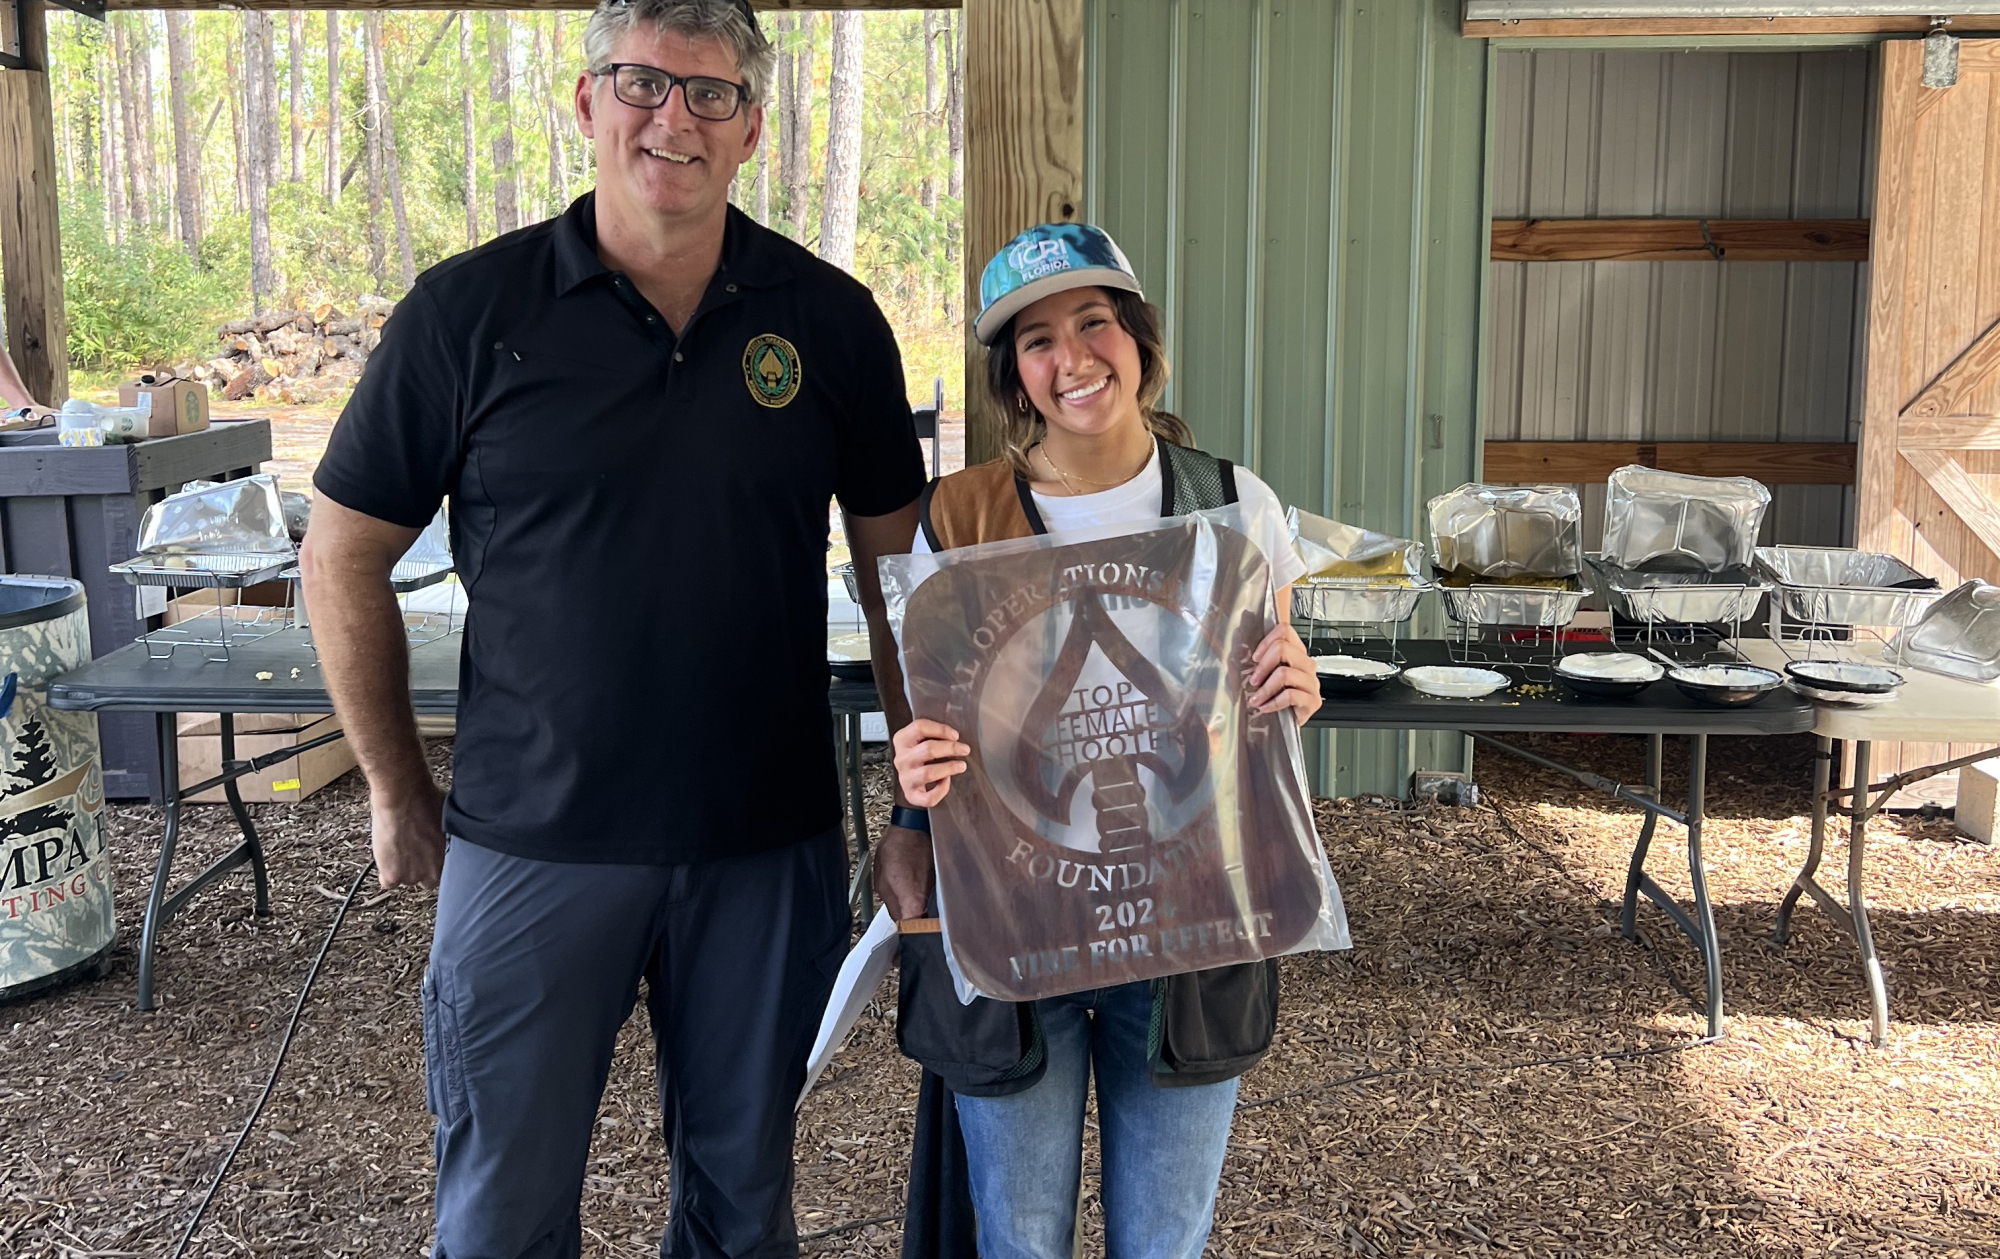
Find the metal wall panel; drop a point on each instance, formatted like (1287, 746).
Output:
(1301, 188)
(1682, 351)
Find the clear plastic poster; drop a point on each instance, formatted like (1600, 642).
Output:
(1124, 814)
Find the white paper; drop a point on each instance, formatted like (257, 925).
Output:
(860, 975)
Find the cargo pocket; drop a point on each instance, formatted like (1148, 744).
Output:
(444, 1077)
(1215, 1024)
(985, 1049)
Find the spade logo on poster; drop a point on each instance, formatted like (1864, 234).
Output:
(1124, 813)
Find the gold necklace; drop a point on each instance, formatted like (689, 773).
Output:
(1043, 447)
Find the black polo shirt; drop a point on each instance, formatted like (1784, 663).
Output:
(640, 522)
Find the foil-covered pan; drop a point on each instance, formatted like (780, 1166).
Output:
(1540, 607)
(1675, 522)
(1332, 549)
(1729, 597)
(240, 517)
(1351, 600)
(1840, 586)
(1959, 635)
(1508, 531)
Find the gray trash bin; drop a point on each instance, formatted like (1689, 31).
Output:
(56, 919)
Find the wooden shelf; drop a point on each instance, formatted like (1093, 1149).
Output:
(1680, 240)
(1773, 463)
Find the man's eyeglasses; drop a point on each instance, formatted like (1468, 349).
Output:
(647, 87)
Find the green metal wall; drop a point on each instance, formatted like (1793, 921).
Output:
(1301, 185)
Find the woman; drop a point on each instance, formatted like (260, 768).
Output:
(1076, 370)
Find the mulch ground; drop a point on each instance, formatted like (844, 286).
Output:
(1442, 1089)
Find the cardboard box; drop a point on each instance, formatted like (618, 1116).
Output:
(288, 780)
(255, 602)
(179, 406)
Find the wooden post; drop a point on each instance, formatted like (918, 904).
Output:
(1024, 148)
(30, 235)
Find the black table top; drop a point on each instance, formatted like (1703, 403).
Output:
(128, 680)
(1547, 705)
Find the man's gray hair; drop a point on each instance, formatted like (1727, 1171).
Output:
(756, 60)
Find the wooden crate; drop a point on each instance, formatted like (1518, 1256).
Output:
(74, 511)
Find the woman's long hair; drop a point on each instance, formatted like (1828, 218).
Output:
(1021, 425)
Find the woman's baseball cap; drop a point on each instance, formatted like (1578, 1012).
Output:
(1044, 260)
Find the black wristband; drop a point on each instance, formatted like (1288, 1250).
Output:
(910, 819)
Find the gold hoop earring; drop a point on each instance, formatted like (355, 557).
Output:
(1021, 403)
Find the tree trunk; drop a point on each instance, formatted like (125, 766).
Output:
(840, 207)
(230, 62)
(764, 171)
(109, 130)
(798, 194)
(928, 188)
(187, 153)
(136, 192)
(391, 168)
(274, 143)
(335, 107)
(955, 141)
(500, 91)
(371, 130)
(142, 80)
(295, 53)
(471, 129)
(258, 119)
(785, 120)
(558, 120)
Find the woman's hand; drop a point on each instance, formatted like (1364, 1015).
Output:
(927, 757)
(1284, 676)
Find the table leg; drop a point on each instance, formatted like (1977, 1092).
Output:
(1711, 947)
(1635, 876)
(1857, 903)
(1823, 759)
(170, 799)
(243, 823)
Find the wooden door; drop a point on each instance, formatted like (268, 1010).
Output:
(1930, 442)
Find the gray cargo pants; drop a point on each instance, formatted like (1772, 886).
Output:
(536, 965)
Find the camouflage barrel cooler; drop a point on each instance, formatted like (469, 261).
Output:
(56, 919)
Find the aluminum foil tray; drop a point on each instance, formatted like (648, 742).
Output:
(407, 577)
(1959, 635)
(1332, 549)
(1837, 586)
(1542, 607)
(1729, 597)
(1508, 531)
(1355, 600)
(202, 572)
(1672, 521)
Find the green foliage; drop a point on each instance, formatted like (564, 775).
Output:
(144, 301)
(135, 298)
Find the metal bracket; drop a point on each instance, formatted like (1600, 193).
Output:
(92, 9)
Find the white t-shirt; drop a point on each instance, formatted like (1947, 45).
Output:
(1139, 499)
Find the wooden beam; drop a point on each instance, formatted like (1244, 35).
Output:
(30, 221)
(768, 5)
(1023, 149)
(1974, 509)
(1680, 240)
(1883, 395)
(1948, 432)
(1957, 382)
(1569, 463)
(1602, 28)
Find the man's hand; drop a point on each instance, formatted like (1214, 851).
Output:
(903, 872)
(409, 838)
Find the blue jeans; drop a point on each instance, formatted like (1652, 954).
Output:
(1163, 1148)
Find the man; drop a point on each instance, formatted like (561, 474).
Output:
(639, 411)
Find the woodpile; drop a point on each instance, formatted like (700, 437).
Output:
(294, 356)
